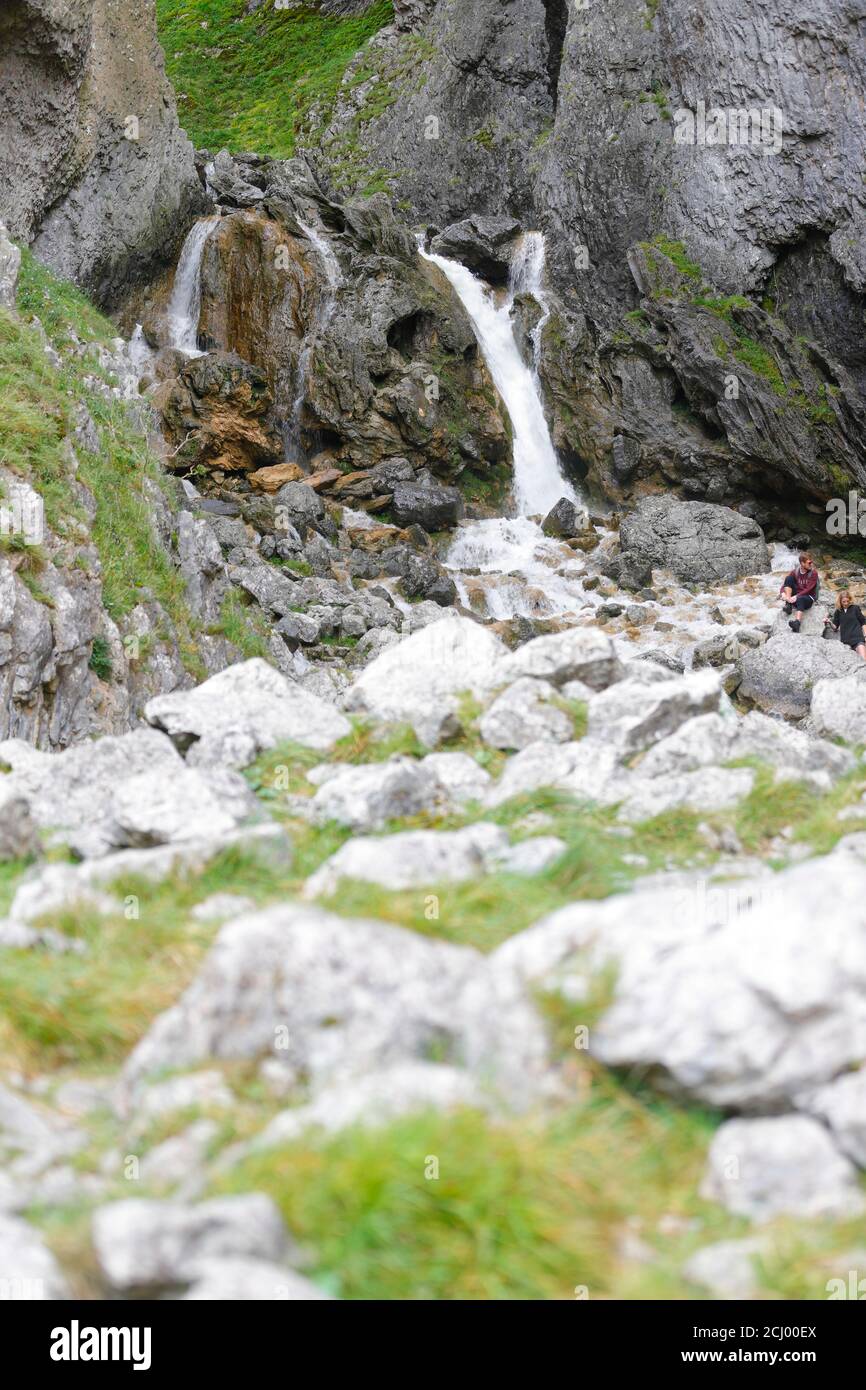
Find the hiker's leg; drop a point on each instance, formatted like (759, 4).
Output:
(801, 606)
(785, 598)
(861, 650)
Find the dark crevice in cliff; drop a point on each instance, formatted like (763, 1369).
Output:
(809, 292)
(555, 25)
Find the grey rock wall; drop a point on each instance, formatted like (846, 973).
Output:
(94, 168)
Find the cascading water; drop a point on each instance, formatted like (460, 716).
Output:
(139, 356)
(333, 280)
(522, 572)
(538, 482)
(184, 307)
(527, 277)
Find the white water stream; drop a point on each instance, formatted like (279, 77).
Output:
(538, 482)
(527, 277)
(184, 306)
(507, 566)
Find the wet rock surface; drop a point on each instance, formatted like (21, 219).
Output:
(693, 540)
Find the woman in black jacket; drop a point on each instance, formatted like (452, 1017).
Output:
(850, 624)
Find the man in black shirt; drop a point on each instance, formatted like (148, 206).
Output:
(850, 624)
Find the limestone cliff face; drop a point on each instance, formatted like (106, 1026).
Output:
(571, 117)
(571, 110)
(614, 173)
(468, 90)
(94, 169)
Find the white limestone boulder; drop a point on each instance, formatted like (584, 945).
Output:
(523, 714)
(742, 994)
(784, 1165)
(334, 999)
(240, 712)
(150, 1244)
(420, 681)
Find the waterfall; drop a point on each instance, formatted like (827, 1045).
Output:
(139, 356)
(538, 482)
(508, 564)
(184, 307)
(527, 277)
(333, 280)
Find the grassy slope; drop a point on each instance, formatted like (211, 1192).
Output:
(38, 403)
(528, 1208)
(255, 82)
(37, 406)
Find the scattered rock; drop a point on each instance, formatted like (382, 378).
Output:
(271, 478)
(578, 654)
(178, 1163)
(350, 997)
(729, 1269)
(710, 789)
(153, 809)
(234, 1279)
(565, 519)
(242, 711)
(698, 542)
(57, 887)
(839, 706)
(842, 1107)
(460, 775)
(198, 1090)
(368, 796)
(28, 1270)
(632, 716)
(375, 1100)
(412, 859)
(36, 1134)
(728, 994)
(71, 792)
(786, 1165)
(433, 507)
(719, 651)
(779, 677)
(220, 906)
(545, 764)
(142, 1244)
(722, 738)
(419, 681)
(532, 856)
(523, 714)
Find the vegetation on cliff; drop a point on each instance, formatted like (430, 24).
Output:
(255, 81)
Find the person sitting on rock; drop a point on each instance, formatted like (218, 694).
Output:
(799, 589)
(850, 624)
